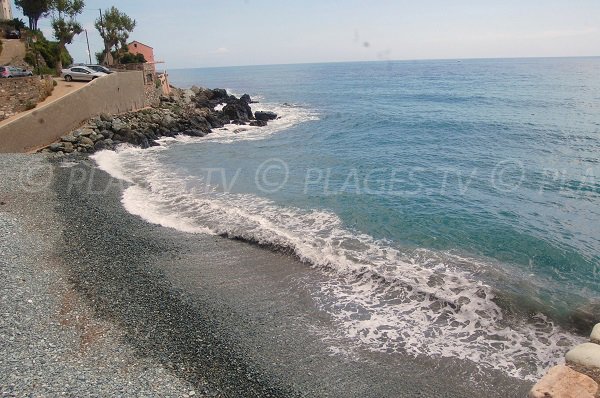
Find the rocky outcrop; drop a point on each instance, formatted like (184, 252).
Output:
(563, 382)
(580, 378)
(265, 116)
(587, 355)
(192, 113)
(595, 336)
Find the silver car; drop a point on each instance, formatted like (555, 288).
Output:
(13, 71)
(80, 73)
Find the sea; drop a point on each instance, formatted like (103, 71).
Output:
(451, 208)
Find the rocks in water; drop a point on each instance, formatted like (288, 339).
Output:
(563, 382)
(238, 110)
(190, 112)
(258, 123)
(246, 98)
(265, 116)
(595, 336)
(586, 355)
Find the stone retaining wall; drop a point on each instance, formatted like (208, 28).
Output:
(20, 94)
(112, 94)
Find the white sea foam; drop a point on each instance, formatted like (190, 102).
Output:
(384, 298)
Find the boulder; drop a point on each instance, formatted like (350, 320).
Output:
(266, 116)
(84, 132)
(68, 138)
(219, 94)
(563, 382)
(595, 336)
(238, 110)
(56, 147)
(100, 145)
(68, 147)
(118, 125)
(106, 118)
(107, 133)
(586, 355)
(246, 98)
(86, 142)
(96, 137)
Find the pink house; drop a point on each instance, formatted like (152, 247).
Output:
(135, 47)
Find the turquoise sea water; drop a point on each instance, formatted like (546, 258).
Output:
(441, 199)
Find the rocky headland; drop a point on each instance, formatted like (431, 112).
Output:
(195, 112)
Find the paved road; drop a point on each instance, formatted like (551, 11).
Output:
(12, 50)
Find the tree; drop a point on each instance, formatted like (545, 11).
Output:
(33, 10)
(129, 58)
(64, 24)
(114, 27)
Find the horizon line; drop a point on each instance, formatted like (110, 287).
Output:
(389, 60)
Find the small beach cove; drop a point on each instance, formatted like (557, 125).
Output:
(224, 315)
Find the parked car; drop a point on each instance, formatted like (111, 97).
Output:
(100, 68)
(13, 34)
(80, 73)
(13, 71)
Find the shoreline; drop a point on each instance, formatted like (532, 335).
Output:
(224, 311)
(143, 280)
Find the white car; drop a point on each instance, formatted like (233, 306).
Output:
(80, 73)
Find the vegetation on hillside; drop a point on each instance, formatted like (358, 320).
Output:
(48, 54)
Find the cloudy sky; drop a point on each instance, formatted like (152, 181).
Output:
(200, 33)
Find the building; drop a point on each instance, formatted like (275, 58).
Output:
(5, 10)
(135, 47)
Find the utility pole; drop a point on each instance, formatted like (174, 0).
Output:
(88, 44)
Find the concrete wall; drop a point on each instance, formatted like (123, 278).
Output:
(20, 94)
(112, 94)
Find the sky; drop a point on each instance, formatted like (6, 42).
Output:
(202, 33)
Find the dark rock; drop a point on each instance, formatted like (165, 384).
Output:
(100, 145)
(266, 116)
(106, 118)
(246, 98)
(238, 110)
(214, 121)
(200, 123)
(68, 138)
(107, 133)
(219, 94)
(68, 147)
(86, 142)
(258, 123)
(56, 147)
